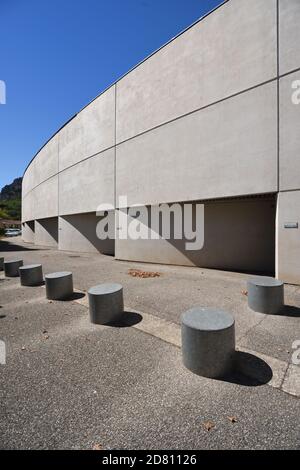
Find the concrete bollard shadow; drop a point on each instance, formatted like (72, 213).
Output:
(126, 320)
(290, 311)
(249, 370)
(39, 284)
(74, 296)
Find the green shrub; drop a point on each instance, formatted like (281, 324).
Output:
(11, 208)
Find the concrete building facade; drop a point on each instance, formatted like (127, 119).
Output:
(211, 117)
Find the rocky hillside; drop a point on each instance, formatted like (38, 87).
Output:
(12, 191)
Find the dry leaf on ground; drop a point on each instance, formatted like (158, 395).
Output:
(232, 419)
(208, 425)
(142, 274)
(97, 447)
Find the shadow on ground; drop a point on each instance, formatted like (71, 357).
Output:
(9, 246)
(249, 370)
(39, 284)
(290, 311)
(74, 296)
(126, 320)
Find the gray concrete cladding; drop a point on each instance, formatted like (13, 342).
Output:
(228, 52)
(207, 116)
(216, 152)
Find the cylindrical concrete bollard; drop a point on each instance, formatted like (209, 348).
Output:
(31, 275)
(59, 286)
(106, 303)
(265, 295)
(11, 268)
(1, 264)
(208, 342)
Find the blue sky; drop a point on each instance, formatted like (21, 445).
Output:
(57, 55)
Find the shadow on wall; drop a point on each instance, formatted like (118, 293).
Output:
(30, 225)
(78, 233)
(46, 232)
(28, 231)
(239, 235)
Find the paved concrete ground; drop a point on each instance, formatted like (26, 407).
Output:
(70, 384)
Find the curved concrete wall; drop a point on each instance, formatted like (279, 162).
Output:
(207, 116)
(74, 172)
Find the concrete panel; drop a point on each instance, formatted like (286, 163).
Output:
(90, 132)
(289, 133)
(46, 199)
(46, 232)
(46, 161)
(43, 166)
(78, 233)
(28, 231)
(86, 185)
(228, 149)
(29, 179)
(28, 206)
(289, 35)
(232, 49)
(239, 235)
(288, 239)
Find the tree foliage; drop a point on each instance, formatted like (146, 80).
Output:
(11, 209)
(3, 214)
(10, 200)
